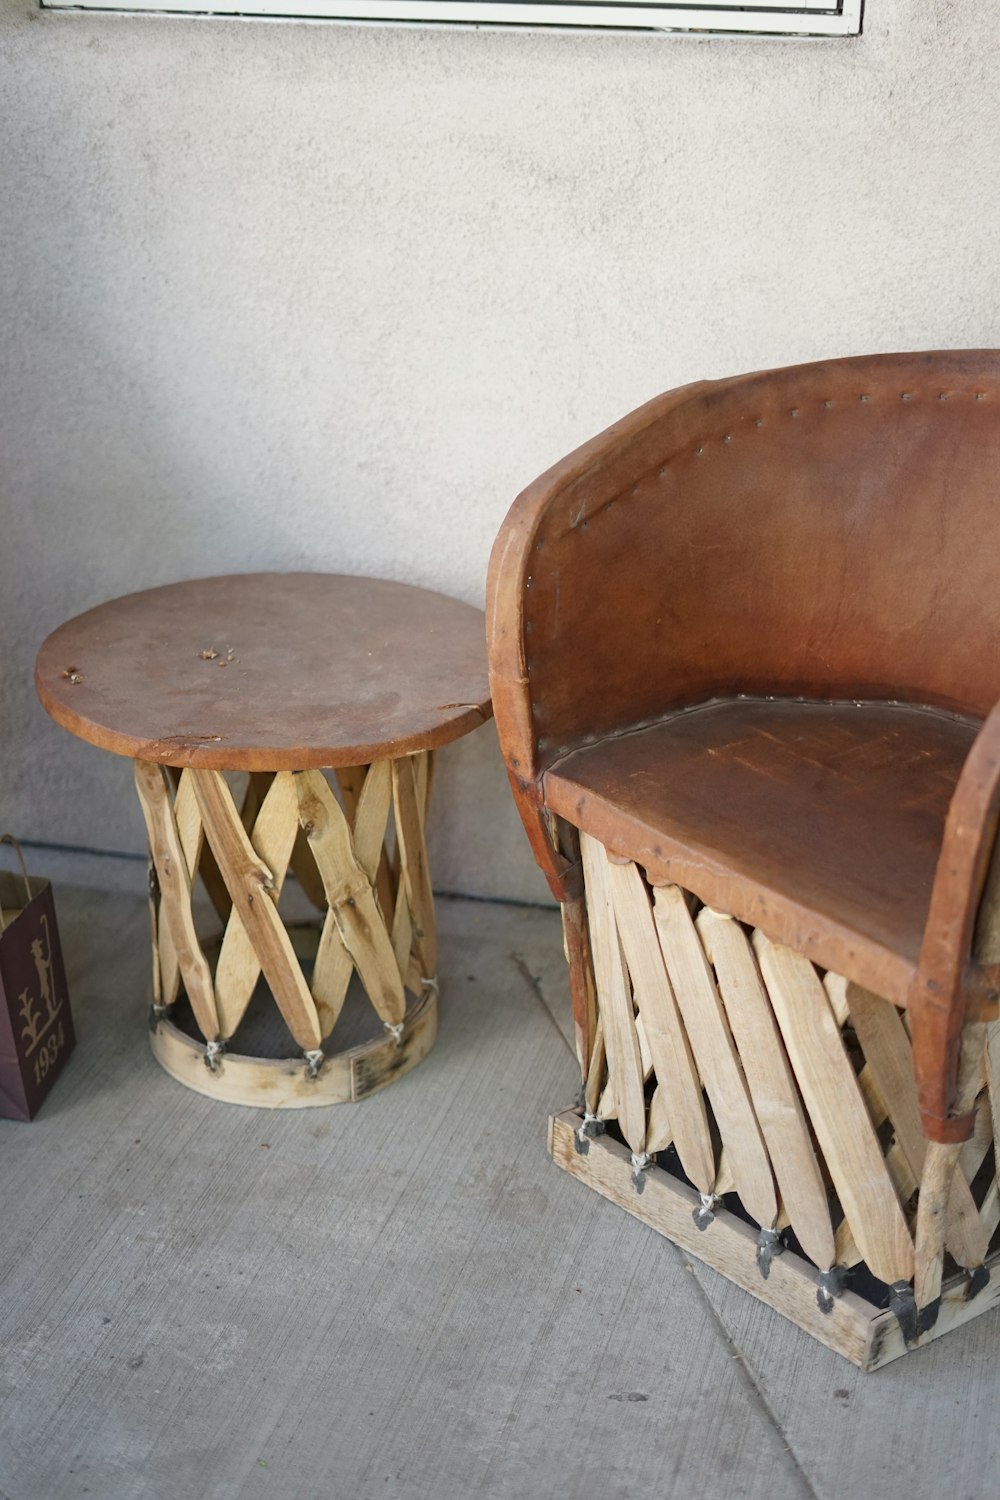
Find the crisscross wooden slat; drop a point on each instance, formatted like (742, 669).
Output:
(715, 1053)
(668, 1043)
(887, 1048)
(191, 835)
(350, 896)
(772, 1088)
(272, 837)
(620, 1040)
(251, 887)
(334, 966)
(409, 800)
(836, 1108)
(175, 893)
(306, 872)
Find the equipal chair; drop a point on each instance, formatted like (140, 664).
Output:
(745, 657)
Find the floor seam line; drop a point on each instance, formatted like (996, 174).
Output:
(749, 1378)
(535, 987)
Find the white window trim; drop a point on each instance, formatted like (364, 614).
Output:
(790, 18)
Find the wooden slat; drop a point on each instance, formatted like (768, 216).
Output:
(772, 1087)
(350, 780)
(251, 888)
(175, 894)
(836, 989)
(414, 871)
(620, 1040)
(402, 925)
(272, 838)
(350, 895)
(258, 785)
(306, 872)
(645, 1056)
(715, 1054)
(836, 1108)
(889, 1055)
(595, 1069)
(331, 975)
(675, 1069)
(371, 816)
(659, 1133)
(191, 834)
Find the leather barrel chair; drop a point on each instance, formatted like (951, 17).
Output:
(745, 662)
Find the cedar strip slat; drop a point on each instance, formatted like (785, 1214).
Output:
(385, 888)
(333, 965)
(658, 1130)
(620, 1040)
(645, 1056)
(772, 1087)
(846, 1248)
(402, 926)
(836, 989)
(607, 1104)
(425, 780)
(251, 887)
(887, 1048)
(272, 838)
(583, 997)
(973, 1152)
(258, 785)
(306, 872)
(836, 1108)
(331, 975)
(175, 894)
(351, 780)
(350, 895)
(675, 1068)
(371, 816)
(191, 835)
(724, 1180)
(153, 902)
(595, 1070)
(715, 1053)
(414, 872)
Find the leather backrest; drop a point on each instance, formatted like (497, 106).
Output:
(830, 530)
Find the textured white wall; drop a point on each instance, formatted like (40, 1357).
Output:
(286, 295)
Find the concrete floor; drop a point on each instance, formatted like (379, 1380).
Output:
(403, 1297)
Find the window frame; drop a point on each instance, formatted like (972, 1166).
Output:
(782, 18)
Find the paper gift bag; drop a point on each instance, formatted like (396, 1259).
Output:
(36, 1029)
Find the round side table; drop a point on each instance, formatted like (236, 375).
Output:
(280, 677)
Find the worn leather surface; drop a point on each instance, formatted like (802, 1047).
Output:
(775, 811)
(829, 531)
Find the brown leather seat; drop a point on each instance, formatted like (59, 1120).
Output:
(828, 532)
(777, 810)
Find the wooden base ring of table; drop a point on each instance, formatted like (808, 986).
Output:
(284, 1083)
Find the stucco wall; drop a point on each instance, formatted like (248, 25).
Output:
(288, 295)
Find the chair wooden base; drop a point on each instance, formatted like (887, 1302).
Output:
(356, 846)
(865, 1334)
(758, 1075)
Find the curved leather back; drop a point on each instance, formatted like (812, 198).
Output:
(828, 530)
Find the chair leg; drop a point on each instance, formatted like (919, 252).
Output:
(576, 945)
(937, 1176)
